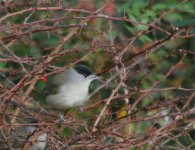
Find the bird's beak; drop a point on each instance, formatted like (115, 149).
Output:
(98, 78)
(95, 77)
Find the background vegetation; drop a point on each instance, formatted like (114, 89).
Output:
(144, 51)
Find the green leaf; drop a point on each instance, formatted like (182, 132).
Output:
(145, 38)
(173, 17)
(159, 6)
(35, 51)
(40, 85)
(2, 65)
(185, 22)
(132, 17)
(131, 29)
(139, 4)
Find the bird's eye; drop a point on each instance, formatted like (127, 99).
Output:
(85, 75)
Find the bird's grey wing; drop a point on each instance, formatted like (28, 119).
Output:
(53, 84)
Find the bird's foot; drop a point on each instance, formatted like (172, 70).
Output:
(61, 118)
(80, 109)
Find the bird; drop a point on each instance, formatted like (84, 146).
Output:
(70, 88)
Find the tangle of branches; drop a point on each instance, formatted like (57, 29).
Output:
(147, 64)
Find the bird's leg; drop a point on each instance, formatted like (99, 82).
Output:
(80, 108)
(61, 117)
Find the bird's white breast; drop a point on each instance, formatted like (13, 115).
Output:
(74, 91)
(69, 95)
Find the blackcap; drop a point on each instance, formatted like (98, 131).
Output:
(70, 88)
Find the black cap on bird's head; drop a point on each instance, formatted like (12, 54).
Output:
(83, 70)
